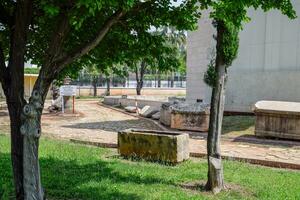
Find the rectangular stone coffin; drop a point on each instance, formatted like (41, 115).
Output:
(165, 114)
(277, 119)
(163, 146)
(190, 121)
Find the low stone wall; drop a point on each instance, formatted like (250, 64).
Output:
(277, 119)
(130, 101)
(163, 146)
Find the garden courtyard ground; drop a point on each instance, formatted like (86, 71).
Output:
(97, 124)
(73, 171)
(76, 171)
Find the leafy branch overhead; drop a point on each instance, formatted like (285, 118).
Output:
(59, 35)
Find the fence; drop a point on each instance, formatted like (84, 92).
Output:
(150, 81)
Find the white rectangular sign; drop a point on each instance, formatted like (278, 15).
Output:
(67, 90)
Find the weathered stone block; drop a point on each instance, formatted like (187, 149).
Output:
(277, 119)
(112, 100)
(173, 100)
(194, 117)
(131, 109)
(148, 111)
(165, 114)
(163, 146)
(156, 116)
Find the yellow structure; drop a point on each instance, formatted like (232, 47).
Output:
(29, 80)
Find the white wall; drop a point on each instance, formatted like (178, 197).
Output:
(267, 67)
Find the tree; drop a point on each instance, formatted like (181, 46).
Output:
(93, 71)
(228, 17)
(54, 35)
(158, 52)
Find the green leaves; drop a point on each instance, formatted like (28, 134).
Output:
(50, 9)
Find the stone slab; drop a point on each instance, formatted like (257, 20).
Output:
(148, 111)
(162, 146)
(190, 121)
(277, 119)
(279, 107)
(193, 117)
(156, 116)
(165, 114)
(130, 109)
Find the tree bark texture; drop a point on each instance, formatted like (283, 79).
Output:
(158, 80)
(172, 79)
(139, 73)
(108, 80)
(31, 130)
(95, 79)
(12, 80)
(215, 181)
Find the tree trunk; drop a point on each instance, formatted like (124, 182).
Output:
(172, 79)
(215, 181)
(31, 130)
(95, 85)
(13, 85)
(15, 110)
(139, 87)
(107, 93)
(140, 77)
(158, 80)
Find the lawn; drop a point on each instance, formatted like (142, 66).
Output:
(238, 125)
(72, 171)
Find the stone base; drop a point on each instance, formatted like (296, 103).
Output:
(170, 147)
(190, 121)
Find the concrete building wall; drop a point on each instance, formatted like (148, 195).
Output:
(267, 66)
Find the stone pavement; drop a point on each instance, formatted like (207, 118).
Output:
(98, 125)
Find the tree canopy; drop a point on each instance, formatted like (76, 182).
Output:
(56, 34)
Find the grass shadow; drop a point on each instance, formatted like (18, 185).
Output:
(238, 124)
(72, 180)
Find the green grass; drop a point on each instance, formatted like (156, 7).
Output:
(238, 125)
(71, 171)
(31, 70)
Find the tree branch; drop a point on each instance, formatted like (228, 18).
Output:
(77, 53)
(5, 17)
(47, 74)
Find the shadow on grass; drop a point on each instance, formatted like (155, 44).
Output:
(71, 180)
(237, 123)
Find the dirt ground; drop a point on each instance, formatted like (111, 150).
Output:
(91, 122)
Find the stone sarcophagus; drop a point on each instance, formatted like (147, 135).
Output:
(170, 147)
(193, 117)
(165, 114)
(277, 119)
